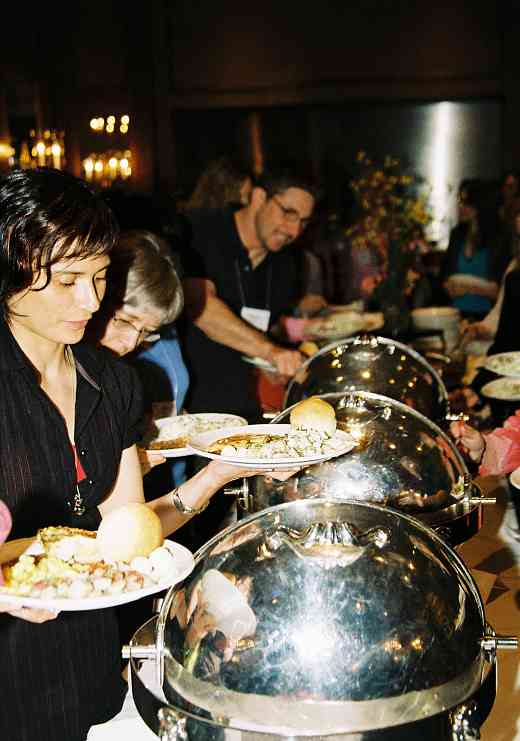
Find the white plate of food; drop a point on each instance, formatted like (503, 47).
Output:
(270, 447)
(170, 435)
(504, 364)
(503, 389)
(468, 282)
(71, 575)
(343, 324)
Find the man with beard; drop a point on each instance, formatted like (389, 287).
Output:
(240, 278)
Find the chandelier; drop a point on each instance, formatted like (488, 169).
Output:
(44, 149)
(112, 160)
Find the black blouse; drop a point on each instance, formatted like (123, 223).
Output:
(63, 676)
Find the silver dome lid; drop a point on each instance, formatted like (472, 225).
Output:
(403, 460)
(374, 364)
(323, 617)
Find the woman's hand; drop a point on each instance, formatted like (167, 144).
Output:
(223, 473)
(470, 439)
(30, 614)
(476, 331)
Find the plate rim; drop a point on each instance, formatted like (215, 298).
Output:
(185, 450)
(499, 398)
(278, 464)
(498, 355)
(468, 278)
(104, 601)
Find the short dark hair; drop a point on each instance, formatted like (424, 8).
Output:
(45, 215)
(280, 178)
(472, 192)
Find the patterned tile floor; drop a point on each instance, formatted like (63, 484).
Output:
(493, 556)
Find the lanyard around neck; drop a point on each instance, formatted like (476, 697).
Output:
(268, 282)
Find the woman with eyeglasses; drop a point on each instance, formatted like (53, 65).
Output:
(144, 298)
(69, 423)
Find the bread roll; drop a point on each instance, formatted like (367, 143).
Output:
(129, 531)
(314, 414)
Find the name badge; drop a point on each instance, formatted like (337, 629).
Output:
(258, 318)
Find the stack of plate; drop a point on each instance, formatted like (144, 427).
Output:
(507, 365)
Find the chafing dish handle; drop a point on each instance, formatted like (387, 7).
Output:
(481, 499)
(241, 492)
(336, 542)
(497, 642)
(139, 652)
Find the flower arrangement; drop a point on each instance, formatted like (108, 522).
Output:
(392, 216)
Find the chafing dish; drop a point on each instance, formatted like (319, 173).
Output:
(402, 460)
(376, 364)
(320, 618)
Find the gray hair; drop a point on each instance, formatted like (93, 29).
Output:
(143, 275)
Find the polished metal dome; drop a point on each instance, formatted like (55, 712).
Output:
(320, 617)
(374, 364)
(402, 460)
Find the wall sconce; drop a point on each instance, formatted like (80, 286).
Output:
(6, 156)
(107, 168)
(45, 149)
(108, 126)
(104, 168)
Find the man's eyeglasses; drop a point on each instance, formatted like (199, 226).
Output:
(291, 215)
(126, 326)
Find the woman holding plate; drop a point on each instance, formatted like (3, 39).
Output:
(70, 419)
(469, 272)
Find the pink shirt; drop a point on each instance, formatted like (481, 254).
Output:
(502, 454)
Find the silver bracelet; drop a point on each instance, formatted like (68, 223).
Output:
(185, 509)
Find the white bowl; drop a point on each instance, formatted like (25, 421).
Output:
(436, 318)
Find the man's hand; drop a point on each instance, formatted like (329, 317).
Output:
(286, 361)
(311, 304)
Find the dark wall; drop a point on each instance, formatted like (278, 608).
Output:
(276, 50)
(228, 58)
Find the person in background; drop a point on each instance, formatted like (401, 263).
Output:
(470, 253)
(240, 278)
(350, 273)
(487, 328)
(146, 220)
(224, 181)
(508, 196)
(71, 418)
(497, 453)
(145, 290)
